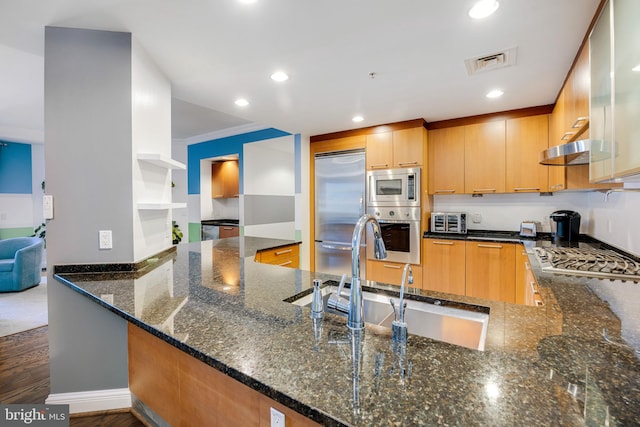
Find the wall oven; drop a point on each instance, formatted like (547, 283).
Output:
(400, 231)
(393, 187)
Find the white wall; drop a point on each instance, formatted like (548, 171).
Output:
(614, 220)
(507, 211)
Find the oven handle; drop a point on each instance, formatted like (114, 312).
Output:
(336, 245)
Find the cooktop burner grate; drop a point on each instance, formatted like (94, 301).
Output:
(601, 263)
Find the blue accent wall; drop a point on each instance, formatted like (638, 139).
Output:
(222, 147)
(15, 168)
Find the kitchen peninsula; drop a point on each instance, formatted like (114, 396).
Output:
(541, 366)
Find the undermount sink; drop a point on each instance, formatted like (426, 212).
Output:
(467, 328)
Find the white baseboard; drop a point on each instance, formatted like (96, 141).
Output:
(92, 401)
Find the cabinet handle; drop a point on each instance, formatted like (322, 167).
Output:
(444, 191)
(527, 189)
(286, 251)
(567, 135)
(385, 165)
(397, 267)
(577, 123)
(408, 163)
(218, 195)
(286, 263)
(533, 288)
(227, 228)
(443, 243)
(557, 186)
(490, 246)
(484, 190)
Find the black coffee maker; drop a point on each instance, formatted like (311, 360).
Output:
(565, 226)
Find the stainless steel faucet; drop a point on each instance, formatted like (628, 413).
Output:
(356, 302)
(399, 326)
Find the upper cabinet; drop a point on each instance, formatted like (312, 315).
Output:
(484, 159)
(495, 156)
(526, 138)
(225, 179)
(446, 160)
(615, 92)
(398, 149)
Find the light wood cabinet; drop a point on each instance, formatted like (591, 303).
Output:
(225, 179)
(527, 289)
(391, 273)
(526, 138)
(446, 160)
(444, 266)
(185, 391)
(484, 159)
(398, 149)
(229, 231)
(490, 271)
(284, 256)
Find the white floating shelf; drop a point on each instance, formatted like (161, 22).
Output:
(160, 160)
(160, 206)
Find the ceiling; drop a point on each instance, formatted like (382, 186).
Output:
(214, 51)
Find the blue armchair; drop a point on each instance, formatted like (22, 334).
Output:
(20, 263)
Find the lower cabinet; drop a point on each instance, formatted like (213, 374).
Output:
(490, 271)
(187, 392)
(443, 266)
(527, 289)
(284, 256)
(391, 273)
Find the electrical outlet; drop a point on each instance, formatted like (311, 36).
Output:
(106, 239)
(277, 418)
(476, 218)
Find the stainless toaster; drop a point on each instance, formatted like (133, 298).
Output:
(449, 222)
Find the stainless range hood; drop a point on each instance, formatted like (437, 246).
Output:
(570, 154)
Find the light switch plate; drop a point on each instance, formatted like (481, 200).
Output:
(106, 239)
(47, 206)
(277, 418)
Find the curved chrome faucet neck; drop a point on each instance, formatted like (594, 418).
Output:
(356, 303)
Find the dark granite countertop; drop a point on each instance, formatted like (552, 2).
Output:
(545, 365)
(220, 222)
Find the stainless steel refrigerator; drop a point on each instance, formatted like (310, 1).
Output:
(339, 202)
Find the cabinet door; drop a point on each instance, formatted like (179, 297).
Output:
(446, 160)
(627, 87)
(391, 273)
(557, 179)
(217, 181)
(380, 150)
(231, 178)
(484, 157)
(444, 266)
(527, 137)
(408, 147)
(490, 271)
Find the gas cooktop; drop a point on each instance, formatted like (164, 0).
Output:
(588, 262)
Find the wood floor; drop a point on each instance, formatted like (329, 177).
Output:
(24, 377)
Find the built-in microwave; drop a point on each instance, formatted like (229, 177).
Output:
(393, 187)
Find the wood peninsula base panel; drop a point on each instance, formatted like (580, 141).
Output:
(187, 392)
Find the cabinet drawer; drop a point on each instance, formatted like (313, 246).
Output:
(391, 273)
(286, 256)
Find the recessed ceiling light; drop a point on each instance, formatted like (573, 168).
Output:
(636, 68)
(357, 119)
(241, 102)
(247, 1)
(279, 76)
(497, 93)
(483, 8)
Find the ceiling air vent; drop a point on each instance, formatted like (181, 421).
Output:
(492, 61)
